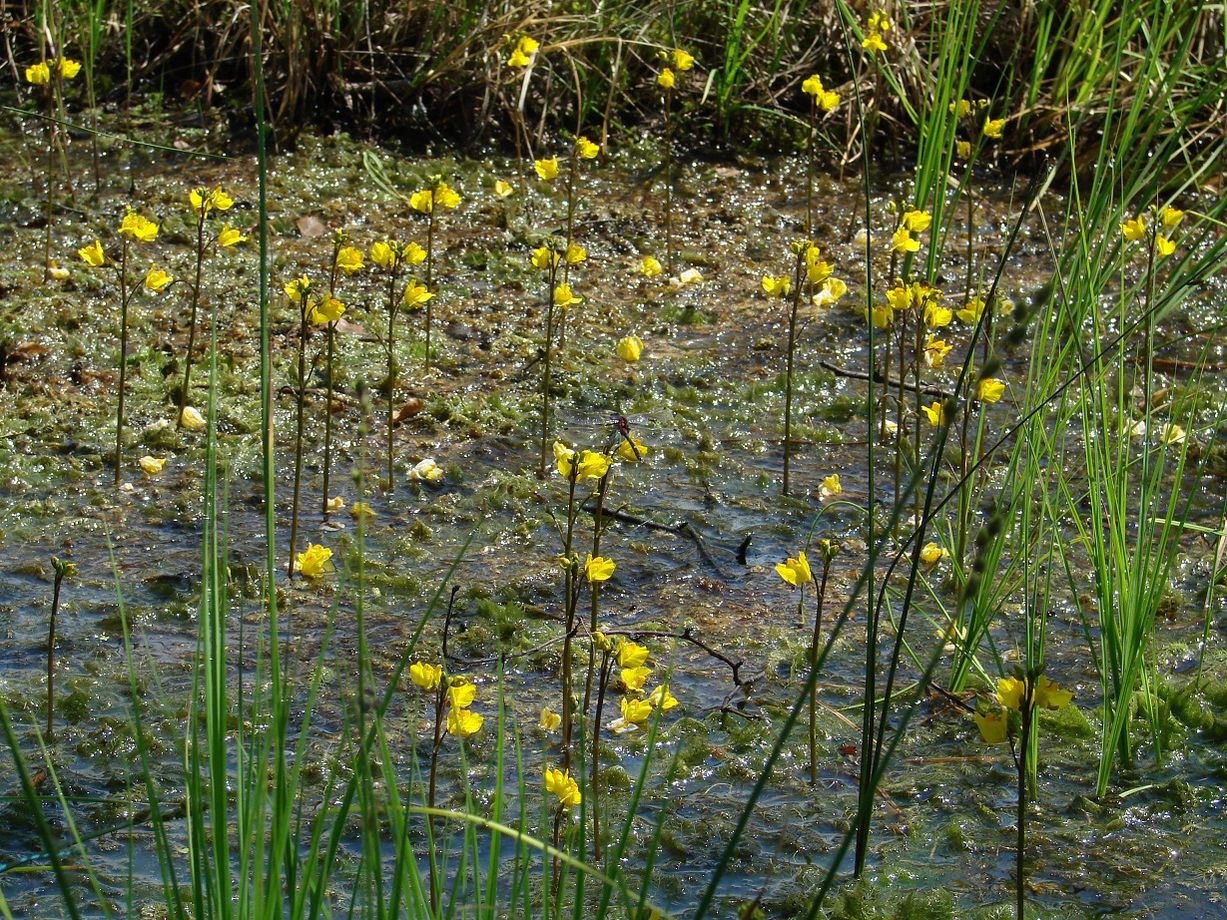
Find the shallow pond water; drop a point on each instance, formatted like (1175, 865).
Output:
(706, 397)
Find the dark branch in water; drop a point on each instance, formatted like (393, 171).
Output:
(927, 389)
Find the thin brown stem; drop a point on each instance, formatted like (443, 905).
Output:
(123, 359)
(298, 436)
(191, 333)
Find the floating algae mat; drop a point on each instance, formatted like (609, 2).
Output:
(596, 482)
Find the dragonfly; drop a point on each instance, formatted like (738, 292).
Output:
(622, 429)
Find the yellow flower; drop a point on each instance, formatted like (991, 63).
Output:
(544, 258)
(575, 253)
(38, 74)
(328, 310)
(633, 679)
(629, 348)
(518, 58)
(413, 254)
(598, 568)
(873, 42)
(461, 693)
(829, 487)
(832, 289)
(156, 279)
(992, 726)
(936, 414)
(882, 317)
(931, 553)
(901, 241)
(563, 297)
(662, 699)
(1051, 696)
(937, 316)
(935, 352)
(813, 87)
(502, 189)
(463, 722)
(795, 571)
(899, 298)
(649, 267)
(960, 109)
(1010, 692)
(385, 255)
(135, 227)
(337, 503)
(446, 196)
(202, 201)
(69, 68)
(963, 149)
(426, 676)
(296, 289)
(191, 419)
(92, 254)
(681, 60)
(349, 259)
(993, 127)
(522, 54)
(829, 100)
(1164, 246)
(916, 221)
(636, 712)
(1170, 217)
(228, 237)
(593, 464)
(426, 471)
(665, 79)
(314, 561)
(1172, 434)
(631, 654)
(422, 201)
(972, 311)
(686, 278)
(564, 459)
(416, 294)
(990, 389)
(560, 784)
(547, 168)
(877, 22)
(776, 285)
(361, 510)
(151, 466)
(632, 450)
(57, 271)
(1135, 229)
(550, 720)
(586, 149)
(816, 271)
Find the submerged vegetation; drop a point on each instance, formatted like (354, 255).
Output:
(474, 578)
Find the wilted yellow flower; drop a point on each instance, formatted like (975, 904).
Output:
(972, 310)
(686, 278)
(463, 722)
(662, 699)
(633, 679)
(502, 189)
(57, 271)
(38, 74)
(426, 676)
(550, 720)
(990, 389)
(649, 267)
(598, 568)
(461, 692)
(665, 79)
(349, 259)
(314, 561)
(151, 466)
(931, 553)
(560, 784)
(547, 168)
(228, 237)
(135, 227)
(361, 510)
(563, 297)
(426, 470)
(992, 726)
(586, 149)
(336, 503)
(935, 352)
(328, 310)
(776, 285)
(544, 258)
(1173, 434)
(963, 149)
(631, 654)
(993, 127)
(156, 279)
(830, 487)
(1134, 229)
(629, 348)
(191, 419)
(831, 291)
(575, 253)
(935, 413)
(92, 254)
(901, 241)
(416, 294)
(795, 571)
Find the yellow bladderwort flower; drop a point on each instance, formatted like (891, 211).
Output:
(361, 510)
(422, 201)
(629, 348)
(349, 259)
(547, 168)
(297, 289)
(650, 267)
(963, 149)
(935, 413)
(544, 258)
(69, 68)
(816, 270)
(593, 465)
(901, 241)
(937, 316)
(634, 714)
(932, 554)
(972, 311)
(586, 149)
(446, 196)
(665, 79)
(228, 237)
(899, 297)
(935, 352)
(598, 568)
(1010, 692)
(426, 676)
(415, 295)
(1170, 217)
(1051, 696)
(992, 726)
(522, 53)
(877, 22)
(681, 60)
(960, 109)
(1163, 246)
(575, 253)
(550, 720)
(156, 279)
(633, 679)
(136, 227)
(502, 188)
(631, 654)
(776, 285)
(831, 291)
(92, 254)
(795, 571)
(882, 316)
(829, 101)
(830, 487)
(463, 722)
(812, 86)
(993, 127)
(151, 466)
(1134, 229)
(412, 254)
(337, 503)
(990, 389)
(916, 221)
(202, 200)
(631, 450)
(191, 419)
(662, 699)
(426, 470)
(873, 42)
(328, 310)
(38, 74)
(564, 459)
(1172, 434)
(385, 254)
(560, 784)
(461, 692)
(314, 561)
(686, 278)
(563, 296)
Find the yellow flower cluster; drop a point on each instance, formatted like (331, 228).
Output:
(40, 74)
(1012, 695)
(634, 672)
(458, 697)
